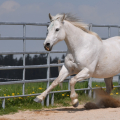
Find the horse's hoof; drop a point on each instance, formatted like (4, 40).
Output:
(76, 103)
(37, 100)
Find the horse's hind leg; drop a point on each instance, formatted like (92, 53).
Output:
(109, 84)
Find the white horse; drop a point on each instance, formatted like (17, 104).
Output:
(87, 55)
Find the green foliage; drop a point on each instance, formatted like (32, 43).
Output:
(15, 104)
(102, 84)
(10, 109)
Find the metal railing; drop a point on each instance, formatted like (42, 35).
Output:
(48, 65)
(108, 26)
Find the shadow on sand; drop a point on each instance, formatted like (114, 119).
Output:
(69, 110)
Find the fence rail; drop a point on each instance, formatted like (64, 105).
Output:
(37, 52)
(48, 65)
(24, 23)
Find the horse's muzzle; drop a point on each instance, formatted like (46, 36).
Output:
(48, 47)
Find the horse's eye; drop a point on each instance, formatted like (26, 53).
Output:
(57, 29)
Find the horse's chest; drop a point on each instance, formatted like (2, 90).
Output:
(71, 64)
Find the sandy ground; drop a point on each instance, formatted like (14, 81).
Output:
(66, 113)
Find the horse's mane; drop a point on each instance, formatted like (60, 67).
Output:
(77, 22)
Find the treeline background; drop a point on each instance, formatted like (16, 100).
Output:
(38, 73)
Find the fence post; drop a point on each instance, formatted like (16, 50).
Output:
(94, 94)
(24, 49)
(3, 103)
(52, 99)
(109, 32)
(48, 77)
(69, 83)
(119, 80)
(90, 26)
(90, 87)
(118, 30)
(42, 103)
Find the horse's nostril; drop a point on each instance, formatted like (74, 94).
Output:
(48, 44)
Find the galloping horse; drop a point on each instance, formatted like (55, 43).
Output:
(87, 55)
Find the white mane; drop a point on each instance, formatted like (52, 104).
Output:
(76, 22)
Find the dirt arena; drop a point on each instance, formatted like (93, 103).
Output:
(66, 113)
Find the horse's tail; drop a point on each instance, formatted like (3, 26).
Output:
(103, 99)
(91, 105)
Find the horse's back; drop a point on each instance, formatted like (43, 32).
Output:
(111, 47)
(112, 41)
(109, 59)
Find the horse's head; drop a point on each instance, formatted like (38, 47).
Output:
(56, 31)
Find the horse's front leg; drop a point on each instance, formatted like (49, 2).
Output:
(84, 74)
(62, 75)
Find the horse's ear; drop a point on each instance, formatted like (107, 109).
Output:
(62, 18)
(50, 17)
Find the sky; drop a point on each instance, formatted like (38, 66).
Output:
(90, 11)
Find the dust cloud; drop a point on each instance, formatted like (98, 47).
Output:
(102, 100)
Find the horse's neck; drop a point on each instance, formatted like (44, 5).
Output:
(74, 37)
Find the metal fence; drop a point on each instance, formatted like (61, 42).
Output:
(48, 65)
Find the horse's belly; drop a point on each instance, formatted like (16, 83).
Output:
(106, 71)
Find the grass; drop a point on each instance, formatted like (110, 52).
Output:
(61, 99)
